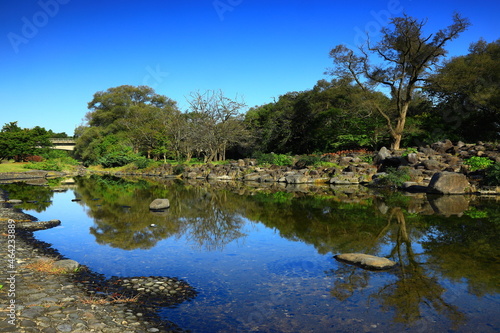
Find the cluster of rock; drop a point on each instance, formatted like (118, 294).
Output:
(438, 168)
(349, 170)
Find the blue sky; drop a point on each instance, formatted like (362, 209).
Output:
(55, 54)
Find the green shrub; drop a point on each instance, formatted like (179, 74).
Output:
(54, 164)
(395, 177)
(275, 159)
(478, 163)
(492, 175)
(142, 162)
(117, 159)
(409, 151)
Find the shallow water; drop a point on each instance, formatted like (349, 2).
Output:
(262, 259)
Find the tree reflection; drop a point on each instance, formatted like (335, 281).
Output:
(37, 198)
(122, 217)
(428, 248)
(413, 290)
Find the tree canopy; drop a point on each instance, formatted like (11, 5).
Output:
(399, 62)
(18, 143)
(467, 92)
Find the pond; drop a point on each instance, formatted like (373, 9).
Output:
(262, 259)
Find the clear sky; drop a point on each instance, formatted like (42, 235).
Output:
(55, 54)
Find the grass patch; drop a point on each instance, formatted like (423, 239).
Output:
(12, 167)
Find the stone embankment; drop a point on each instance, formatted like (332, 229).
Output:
(442, 160)
(40, 291)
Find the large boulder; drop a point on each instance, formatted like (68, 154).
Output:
(449, 183)
(157, 204)
(382, 154)
(366, 261)
(442, 146)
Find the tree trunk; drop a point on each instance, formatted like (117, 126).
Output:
(397, 134)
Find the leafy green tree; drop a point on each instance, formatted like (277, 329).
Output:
(399, 62)
(136, 118)
(332, 116)
(19, 143)
(467, 89)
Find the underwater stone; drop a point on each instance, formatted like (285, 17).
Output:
(366, 260)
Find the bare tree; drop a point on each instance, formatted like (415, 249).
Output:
(404, 58)
(217, 122)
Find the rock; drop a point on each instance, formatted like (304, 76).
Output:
(68, 265)
(382, 154)
(412, 158)
(366, 260)
(252, 177)
(345, 178)
(442, 146)
(449, 183)
(159, 204)
(297, 179)
(191, 175)
(431, 165)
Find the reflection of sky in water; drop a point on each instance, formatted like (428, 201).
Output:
(260, 281)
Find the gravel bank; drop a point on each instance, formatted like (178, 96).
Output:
(74, 301)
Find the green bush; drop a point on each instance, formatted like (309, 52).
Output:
(54, 164)
(395, 177)
(117, 159)
(409, 151)
(478, 163)
(275, 159)
(49, 165)
(492, 175)
(143, 162)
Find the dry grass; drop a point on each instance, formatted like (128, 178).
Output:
(46, 266)
(115, 298)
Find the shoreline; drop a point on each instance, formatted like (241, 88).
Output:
(33, 301)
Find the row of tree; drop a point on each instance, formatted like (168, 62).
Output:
(128, 121)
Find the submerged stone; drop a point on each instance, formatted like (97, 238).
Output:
(366, 260)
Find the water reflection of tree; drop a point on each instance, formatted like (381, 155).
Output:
(37, 198)
(122, 217)
(411, 291)
(468, 248)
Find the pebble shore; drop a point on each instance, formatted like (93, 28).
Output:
(33, 301)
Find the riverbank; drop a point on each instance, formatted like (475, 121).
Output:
(34, 300)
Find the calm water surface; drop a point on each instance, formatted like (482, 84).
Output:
(262, 260)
